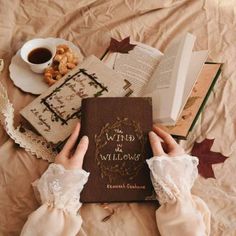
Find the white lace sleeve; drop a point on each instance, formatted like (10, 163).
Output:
(61, 188)
(172, 176)
(180, 213)
(59, 191)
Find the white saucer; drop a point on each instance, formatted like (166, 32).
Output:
(27, 80)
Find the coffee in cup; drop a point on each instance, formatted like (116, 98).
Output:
(38, 54)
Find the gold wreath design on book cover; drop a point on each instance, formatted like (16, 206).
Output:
(119, 136)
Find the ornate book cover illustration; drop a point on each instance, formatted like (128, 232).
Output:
(55, 113)
(118, 148)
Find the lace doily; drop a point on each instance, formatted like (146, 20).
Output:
(28, 140)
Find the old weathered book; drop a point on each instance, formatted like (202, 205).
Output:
(118, 148)
(55, 113)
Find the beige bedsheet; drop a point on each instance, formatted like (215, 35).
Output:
(90, 24)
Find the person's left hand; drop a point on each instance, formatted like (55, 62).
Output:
(72, 157)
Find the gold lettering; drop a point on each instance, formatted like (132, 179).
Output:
(120, 157)
(120, 137)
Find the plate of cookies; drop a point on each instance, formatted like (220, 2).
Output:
(67, 57)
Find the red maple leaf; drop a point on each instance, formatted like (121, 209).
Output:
(206, 157)
(123, 46)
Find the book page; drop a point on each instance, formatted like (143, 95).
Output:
(162, 76)
(167, 83)
(196, 64)
(137, 66)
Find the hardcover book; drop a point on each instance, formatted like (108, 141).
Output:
(118, 148)
(55, 113)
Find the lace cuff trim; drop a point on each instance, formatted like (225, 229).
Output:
(172, 176)
(61, 188)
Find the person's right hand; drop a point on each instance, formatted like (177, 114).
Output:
(72, 154)
(163, 144)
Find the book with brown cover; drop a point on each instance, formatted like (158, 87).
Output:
(118, 148)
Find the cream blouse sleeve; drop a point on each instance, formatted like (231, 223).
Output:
(59, 191)
(180, 213)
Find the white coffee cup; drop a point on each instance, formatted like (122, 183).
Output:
(38, 60)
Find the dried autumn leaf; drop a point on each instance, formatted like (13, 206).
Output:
(123, 46)
(206, 157)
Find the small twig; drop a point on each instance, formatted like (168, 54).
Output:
(111, 212)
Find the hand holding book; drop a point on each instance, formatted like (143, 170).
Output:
(126, 154)
(172, 179)
(72, 155)
(163, 144)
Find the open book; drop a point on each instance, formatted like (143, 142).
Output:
(168, 78)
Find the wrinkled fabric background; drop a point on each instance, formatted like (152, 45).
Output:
(90, 24)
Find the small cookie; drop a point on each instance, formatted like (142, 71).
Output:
(64, 61)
